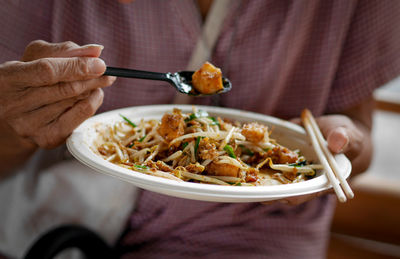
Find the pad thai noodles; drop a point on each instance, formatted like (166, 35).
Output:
(197, 147)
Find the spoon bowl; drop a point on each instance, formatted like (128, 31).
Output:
(182, 81)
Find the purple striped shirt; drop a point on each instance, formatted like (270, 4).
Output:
(281, 57)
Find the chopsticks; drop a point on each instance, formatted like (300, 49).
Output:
(326, 158)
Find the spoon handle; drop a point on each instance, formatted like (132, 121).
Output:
(124, 72)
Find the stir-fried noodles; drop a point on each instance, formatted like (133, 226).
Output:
(197, 147)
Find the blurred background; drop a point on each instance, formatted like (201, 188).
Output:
(369, 225)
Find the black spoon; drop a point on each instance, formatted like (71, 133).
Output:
(182, 80)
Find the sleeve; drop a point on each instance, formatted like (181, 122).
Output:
(22, 22)
(370, 55)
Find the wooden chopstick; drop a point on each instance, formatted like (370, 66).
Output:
(320, 148)
(332, 161)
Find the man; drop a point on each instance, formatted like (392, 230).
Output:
(280, 56)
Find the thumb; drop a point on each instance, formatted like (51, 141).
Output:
(338, 140)
(41, 49)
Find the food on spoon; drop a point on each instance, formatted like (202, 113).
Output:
(208, 79)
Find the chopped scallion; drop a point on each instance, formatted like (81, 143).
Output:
(298, 164)
(196, 145)
(246, 150)
(229, 150)
(198, 114)
(141, 166)
(215, 121)
(128, 121)
(142, 138)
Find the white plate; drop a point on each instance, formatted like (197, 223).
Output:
(81, 146)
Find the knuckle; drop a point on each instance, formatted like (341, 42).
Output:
(85, 108)
(36, 45)
(69, 44)
(82, 65)
(66, 45)
(8, 70)
(77, 67)
(47, 69)
(70, 89)
(82, 96)
(35, 49)
(10, 65)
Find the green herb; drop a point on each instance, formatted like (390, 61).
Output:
(198, 114)
(141, 139)
(266, 149)
(132, 144)
(246, 150)
(235, 184)
(215, 121)
(127, 120)
(141, 166)
(298, 164)
(229, 150)
(196, 145)
(184, 145)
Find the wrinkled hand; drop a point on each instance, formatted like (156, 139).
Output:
(343, 136)
(55, 87)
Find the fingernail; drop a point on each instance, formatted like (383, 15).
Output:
(96, 66)
(112, 78)
(338, 140)
(343, 144)
(343, 141)
(93, 45)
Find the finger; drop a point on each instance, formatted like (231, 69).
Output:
(49, 71)
(62, 127)
(297, 200)
(338, 139)
(341, 134)
(41, 49)
(295, 121)
(37, 97)
(29, 124)
(345, 140)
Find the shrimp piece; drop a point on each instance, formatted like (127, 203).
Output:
(254, 132)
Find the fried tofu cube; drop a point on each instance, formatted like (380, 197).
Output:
(172, 126)
(208, 79)
(223, 169)
(254, 132)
